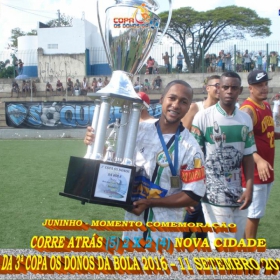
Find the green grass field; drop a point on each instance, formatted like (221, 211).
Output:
(32, 173)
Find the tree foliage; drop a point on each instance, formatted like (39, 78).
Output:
(195, 31)
(6, 71)
(62, 22)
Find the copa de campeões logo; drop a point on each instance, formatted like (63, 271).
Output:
(141, 18)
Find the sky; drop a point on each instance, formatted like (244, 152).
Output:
(25, 14)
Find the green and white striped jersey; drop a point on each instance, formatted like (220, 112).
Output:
(225, 140)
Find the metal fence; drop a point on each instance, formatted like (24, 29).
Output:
(98, 65)
(98, 56)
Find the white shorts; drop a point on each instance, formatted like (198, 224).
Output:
(260, 197)
(228, 215)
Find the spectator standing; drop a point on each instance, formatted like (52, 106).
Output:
(196, 215)
(213, 63)
(222, 56)
(225, 134)
(228, 61)
(167, 65)
(247, 61)
(20, 67)
(168, 193)
(219, 64)
(259, 58)
(207, 60)
(275, 101)
(260, 112)
(180, 58)
(273, 61)
(238, 60)
(150, 65)
(157, 83)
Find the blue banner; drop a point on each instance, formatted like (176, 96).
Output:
(51, 115)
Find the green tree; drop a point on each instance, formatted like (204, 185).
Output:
(196, 31)
(62, 22)
(6, 72)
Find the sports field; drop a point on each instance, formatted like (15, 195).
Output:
(32, 173)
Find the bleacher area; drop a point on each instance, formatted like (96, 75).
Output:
(195, 80)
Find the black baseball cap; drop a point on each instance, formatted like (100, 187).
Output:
(257, 76)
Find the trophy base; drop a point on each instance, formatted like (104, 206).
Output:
(99, 182)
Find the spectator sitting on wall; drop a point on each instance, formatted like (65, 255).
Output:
(59, 86)
(77, 85)
(157, 83)
(70, 85)
(99, 84)
(155, 68)
(94, 85)
(34, 88)
(147, 85)
(137, 84)
(15, 88)
(24, 87)
(106, 81)
(85, 87)
(49, 87)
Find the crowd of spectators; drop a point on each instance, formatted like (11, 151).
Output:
(146, 85)
(78, 88)
(241, 61)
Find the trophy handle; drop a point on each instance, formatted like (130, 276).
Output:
(102, 35)
(167, 23)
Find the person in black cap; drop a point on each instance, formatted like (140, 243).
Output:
(263, 127)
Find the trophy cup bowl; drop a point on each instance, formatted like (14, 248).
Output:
(131, 29)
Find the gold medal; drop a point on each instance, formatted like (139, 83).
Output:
(175, 181)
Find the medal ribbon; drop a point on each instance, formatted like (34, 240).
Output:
(174, 167)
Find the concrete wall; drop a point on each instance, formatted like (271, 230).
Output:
(60, 66)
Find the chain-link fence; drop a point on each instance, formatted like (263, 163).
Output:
(262, 54)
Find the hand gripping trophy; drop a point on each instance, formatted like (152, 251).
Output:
(131, 29)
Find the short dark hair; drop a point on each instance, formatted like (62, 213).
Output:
(176, 82)
(212, 77)
(231, 74)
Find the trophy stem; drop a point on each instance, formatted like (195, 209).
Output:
(122, 134)
(101, 128)
(94, 126)
(132, 134)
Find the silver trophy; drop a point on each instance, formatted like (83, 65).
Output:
(130, 31)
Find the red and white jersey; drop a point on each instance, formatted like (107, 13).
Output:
(264, 135)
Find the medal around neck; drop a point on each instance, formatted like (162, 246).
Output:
(130, 31)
